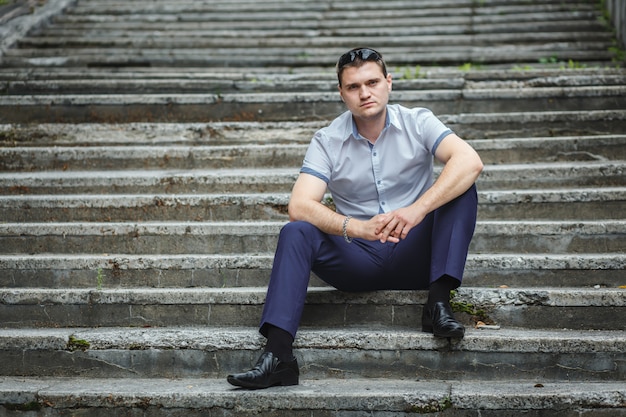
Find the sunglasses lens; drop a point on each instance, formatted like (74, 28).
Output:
(365, 54)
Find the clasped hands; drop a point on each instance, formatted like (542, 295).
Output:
(393, 226)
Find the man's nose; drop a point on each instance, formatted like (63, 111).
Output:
(364, 92)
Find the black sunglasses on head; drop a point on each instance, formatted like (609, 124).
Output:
(365, 54)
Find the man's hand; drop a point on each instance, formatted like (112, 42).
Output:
(395, 225)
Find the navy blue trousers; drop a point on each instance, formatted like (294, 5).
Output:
(437, 246)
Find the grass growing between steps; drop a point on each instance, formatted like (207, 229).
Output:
(476, 314)
(99, 279)
(74, 344)
(432, 407)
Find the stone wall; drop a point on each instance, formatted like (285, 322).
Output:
(617, 11)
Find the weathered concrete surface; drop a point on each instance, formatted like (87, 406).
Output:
(138, 226)
(334, 397)
(541, 204)
(352, 352)
(519, 307)
(592, 236)
(289, 106)
(236, 270)
(224, 178)
(15, 29)
(532, 128)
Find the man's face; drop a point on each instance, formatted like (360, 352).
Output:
(365, 90)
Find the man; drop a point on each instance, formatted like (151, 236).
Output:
(393, 227)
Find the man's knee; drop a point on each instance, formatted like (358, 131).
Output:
(297, 230)
(464, 207)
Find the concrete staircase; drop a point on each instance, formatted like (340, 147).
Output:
(147, 153)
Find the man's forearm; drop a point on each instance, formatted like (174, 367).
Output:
(457, 176)
(319, 215)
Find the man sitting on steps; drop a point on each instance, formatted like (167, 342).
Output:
(394, 227)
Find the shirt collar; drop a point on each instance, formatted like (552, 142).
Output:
(391, 119)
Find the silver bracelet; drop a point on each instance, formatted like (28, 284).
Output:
(345, 229)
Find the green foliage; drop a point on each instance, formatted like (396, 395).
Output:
(409, 73)
(469, 66)
(99, 279)
(549, 60)
(74, 344)
(468, 308)
(573, 65)
(431, 407)
(619, 55)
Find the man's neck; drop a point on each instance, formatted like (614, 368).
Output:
(371, 128)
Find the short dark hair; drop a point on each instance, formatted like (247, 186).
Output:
(357, 57)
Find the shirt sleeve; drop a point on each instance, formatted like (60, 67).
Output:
(431, 129)
(317, 161)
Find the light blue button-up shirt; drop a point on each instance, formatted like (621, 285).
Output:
(366, 179)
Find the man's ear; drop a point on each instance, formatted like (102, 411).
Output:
(389, 82)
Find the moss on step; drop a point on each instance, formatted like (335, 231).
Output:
(431, 407)
(476, 314)
(74, 344)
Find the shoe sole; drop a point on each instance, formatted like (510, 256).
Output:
(457, 334)
(288, 381)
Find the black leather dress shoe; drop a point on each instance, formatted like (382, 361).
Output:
(268, 372)
(439, 320)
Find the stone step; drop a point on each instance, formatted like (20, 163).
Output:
(277, 7)
(162, 270)
(332, 21)
(332, 397)
(564, 148)
(381, 36)
(156, 37)
(154, 43)
(128, 108)
(240, 18)
(156, 160)
(584, 237)
(64, 165)
(405, 78)
(529, 204)
(230, 134)
(264, 180)
(350, 353)
(592, 54)
(536, 136)
(574, 308)
(218, 52)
